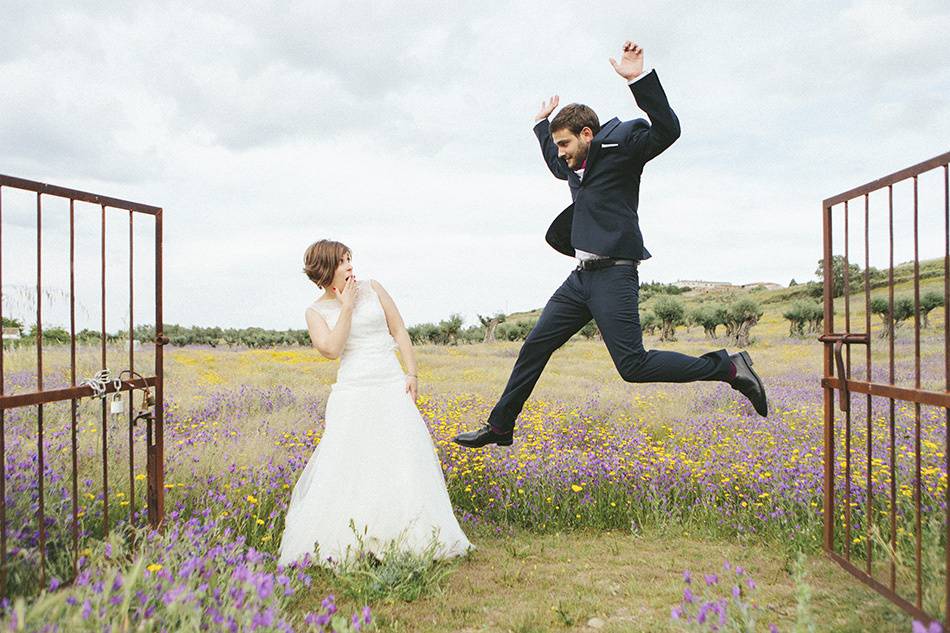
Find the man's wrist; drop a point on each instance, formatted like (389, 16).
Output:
(636, 78)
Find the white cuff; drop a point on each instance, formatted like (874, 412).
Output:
(539, 121)
(640, 76)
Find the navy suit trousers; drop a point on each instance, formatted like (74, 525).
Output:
(610, 296)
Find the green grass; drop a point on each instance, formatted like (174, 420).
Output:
(558, 582)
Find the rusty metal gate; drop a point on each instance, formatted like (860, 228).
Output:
(886, 499)
(152, 403)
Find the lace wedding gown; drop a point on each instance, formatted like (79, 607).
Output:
(376, 463)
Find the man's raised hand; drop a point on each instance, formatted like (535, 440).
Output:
(631, 63)
(547, 107)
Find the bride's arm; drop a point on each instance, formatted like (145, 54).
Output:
(329, 342)
(399, 333)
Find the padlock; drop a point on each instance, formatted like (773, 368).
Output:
(116, 407)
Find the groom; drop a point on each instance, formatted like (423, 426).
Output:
(602, 166)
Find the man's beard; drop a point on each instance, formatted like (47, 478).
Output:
(581, 156)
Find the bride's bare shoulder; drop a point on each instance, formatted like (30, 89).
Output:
(384, 297)
(315, 309)
(378, 287)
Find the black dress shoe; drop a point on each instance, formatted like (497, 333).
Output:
(748, 383)
(483, 436)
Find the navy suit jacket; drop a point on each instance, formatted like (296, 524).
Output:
(603, 217)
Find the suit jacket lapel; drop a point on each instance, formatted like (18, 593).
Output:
(598, 140)
(607, 129)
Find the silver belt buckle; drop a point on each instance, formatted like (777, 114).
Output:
(591, 264)
(585, 264)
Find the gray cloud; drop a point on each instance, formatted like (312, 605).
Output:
(405, 128)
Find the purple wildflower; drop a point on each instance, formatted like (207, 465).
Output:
(265, 618)
(703, 611)
(933, 627)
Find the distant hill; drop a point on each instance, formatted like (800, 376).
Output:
(777, 299)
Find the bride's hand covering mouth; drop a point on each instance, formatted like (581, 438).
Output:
(347, 296)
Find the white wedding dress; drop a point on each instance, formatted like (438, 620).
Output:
(376, 464)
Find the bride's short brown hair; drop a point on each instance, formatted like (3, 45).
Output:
(322, 258)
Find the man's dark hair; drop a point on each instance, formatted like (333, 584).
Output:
(575, 117)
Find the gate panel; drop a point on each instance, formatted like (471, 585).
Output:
(19, 402)
(892, 482)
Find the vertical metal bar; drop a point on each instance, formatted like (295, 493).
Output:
(39, 384)
(917, 493)
(105, 427)
(890, 336)
(946, 372)
(3, 431)
(74, 405)
(847, 414)
(869, 495)
(829, 436)
(131, 369)
(159, 379)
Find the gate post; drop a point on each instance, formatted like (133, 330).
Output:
(829, 398)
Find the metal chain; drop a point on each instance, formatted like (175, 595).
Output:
(100, 382)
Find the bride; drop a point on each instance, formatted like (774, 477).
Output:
(374, 480)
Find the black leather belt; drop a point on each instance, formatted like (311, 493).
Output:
(605, 262)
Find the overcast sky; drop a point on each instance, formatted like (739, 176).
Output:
(404, 130)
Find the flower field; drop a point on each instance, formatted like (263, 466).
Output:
(591, 454)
